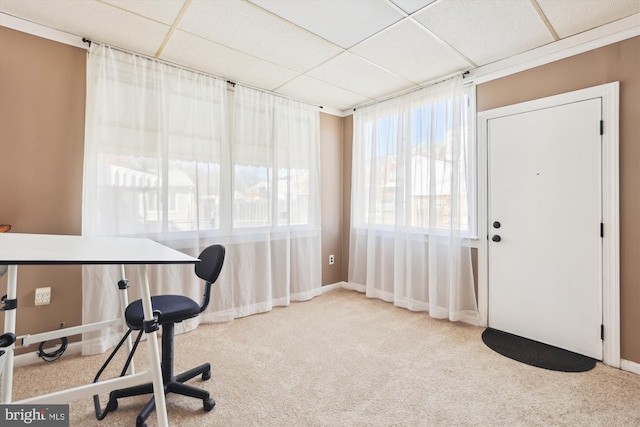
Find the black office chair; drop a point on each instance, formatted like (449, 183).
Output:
(169, 310)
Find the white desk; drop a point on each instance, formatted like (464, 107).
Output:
(46, 249)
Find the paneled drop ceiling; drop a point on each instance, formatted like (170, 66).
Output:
(334, 53)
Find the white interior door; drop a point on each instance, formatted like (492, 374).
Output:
(544, 180)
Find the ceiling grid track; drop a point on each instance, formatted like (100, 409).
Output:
(444, 43)
(544, 18)
(176, 22)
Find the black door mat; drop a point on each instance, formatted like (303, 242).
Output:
(535, 353)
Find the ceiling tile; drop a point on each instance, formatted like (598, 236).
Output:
(353, 51)
(429, 58)
(165, 11)
(206, 56)
(575, 16)
(313, 91)
(92, 19)
(344, 22)
(242, 26)
(411, 6)
(488, 30)
(351, 72)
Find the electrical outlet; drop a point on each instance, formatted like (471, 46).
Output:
(332, 259)
(43, 296)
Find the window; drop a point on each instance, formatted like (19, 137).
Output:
(177, 153)
(418, 166)
(275, 162)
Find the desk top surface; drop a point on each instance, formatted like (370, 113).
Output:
(43, 249)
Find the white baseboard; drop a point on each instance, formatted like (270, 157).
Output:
(331, 287)
(627, 365)
(354, 286)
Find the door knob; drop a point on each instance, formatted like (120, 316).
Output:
(496, 238)
(496, 224)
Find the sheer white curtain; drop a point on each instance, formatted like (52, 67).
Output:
(411, 203)
(173, 155)
(275, 220)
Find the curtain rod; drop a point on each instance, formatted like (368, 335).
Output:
(151, 58)
(415, 89)
(193, 70)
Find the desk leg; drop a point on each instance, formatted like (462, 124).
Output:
(124, 302)
(9, 326)
(154, 354)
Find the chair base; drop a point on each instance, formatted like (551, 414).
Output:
(174, 385)
(171, 383)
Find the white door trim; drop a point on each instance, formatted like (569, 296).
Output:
(610, 206)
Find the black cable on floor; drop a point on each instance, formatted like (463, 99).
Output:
(54, 355)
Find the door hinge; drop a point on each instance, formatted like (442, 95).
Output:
(601, 127)
(602, 332)
(601, 229)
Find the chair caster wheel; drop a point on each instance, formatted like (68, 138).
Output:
(208, 404)
(206, 375)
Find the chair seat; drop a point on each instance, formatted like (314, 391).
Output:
(172, 308)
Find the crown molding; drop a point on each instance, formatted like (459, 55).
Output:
(41, 31)
(613, 32)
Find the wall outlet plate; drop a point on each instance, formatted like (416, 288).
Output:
(43, 296)
(332, 259)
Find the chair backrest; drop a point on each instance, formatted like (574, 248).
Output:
(208, 269)
(211, 261)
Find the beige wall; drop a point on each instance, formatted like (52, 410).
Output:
(42, 93)
(616, 62)
(331, 197)
(347, 150)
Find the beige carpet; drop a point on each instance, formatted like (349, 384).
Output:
(342, 359)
